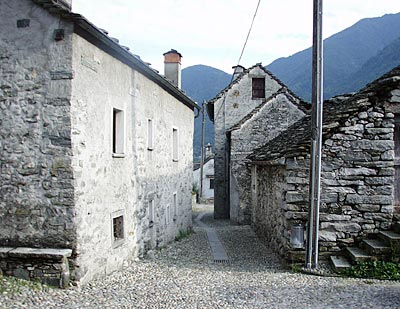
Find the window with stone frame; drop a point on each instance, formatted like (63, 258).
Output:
(118, 134)
(258, 88)
(397, 160)
(118, 229)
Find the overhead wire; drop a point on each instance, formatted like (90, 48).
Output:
(241, 54)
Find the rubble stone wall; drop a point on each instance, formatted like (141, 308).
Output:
(357, 184)
(273, 118)
(36, 179)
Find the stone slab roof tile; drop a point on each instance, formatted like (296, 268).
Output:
(296, 140)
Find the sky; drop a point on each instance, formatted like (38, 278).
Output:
(213, 32)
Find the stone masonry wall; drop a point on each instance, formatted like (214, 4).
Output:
(269, 221)
(228, 111)
(357, 183)
(36, 180)
(125, 185)
(276, 116)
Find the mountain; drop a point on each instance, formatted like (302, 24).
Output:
(375, 67)
(201, 83)
(352, 58)
(345, 54)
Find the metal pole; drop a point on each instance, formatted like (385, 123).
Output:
(202, 151)
(316, 138)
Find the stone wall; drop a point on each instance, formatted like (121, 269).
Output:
(126, 184)
(36, 180)
(274, 117)
(229, 109)
(49, 266)
(61, 183)
(357, 183)
(268, 220)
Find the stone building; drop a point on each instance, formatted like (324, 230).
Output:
(208, 176)
(360, 171)
(252, 109)
(95, 147)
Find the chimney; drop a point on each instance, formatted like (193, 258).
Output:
(238, 69)
(172, 67)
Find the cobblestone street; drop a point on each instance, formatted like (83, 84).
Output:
(183, 275)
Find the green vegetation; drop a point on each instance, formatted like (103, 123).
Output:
(13, 286)
(183, 234)
(375, 269)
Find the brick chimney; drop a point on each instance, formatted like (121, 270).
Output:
(238, 69)
(172, 67)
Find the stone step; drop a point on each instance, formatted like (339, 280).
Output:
(376, 247)
(339, 263)
(392, 239)
(358, 255)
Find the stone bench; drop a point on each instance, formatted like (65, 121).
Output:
(49, 266)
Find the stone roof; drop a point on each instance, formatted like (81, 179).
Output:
(100, 38)
(296, 140)
(210, 103)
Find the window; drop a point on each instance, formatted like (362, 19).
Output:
(150, 134)
(151, 213)
(118, 229)
(258, 88)
(175, 144)
(118, 132)
(175, 206)
(212, 183)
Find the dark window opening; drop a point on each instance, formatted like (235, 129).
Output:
(258, 88)
(211, 183)
(118, 228)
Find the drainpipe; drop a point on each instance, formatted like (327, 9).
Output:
(316, 139)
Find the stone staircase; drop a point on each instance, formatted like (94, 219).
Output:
(386, 246)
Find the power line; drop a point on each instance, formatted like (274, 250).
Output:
(248, 34)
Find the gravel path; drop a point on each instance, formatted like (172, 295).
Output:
(184, 276)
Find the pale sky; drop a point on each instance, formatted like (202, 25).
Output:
(212, 32)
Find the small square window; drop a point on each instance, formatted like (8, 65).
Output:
(118, 138)
(175, 144)
(118, 228)
(258, 88)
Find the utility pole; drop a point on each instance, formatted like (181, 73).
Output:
(202, 149)
(316, 139)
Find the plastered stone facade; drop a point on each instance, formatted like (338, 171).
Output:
(61, 184)
(357, 180)
(208, 176)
